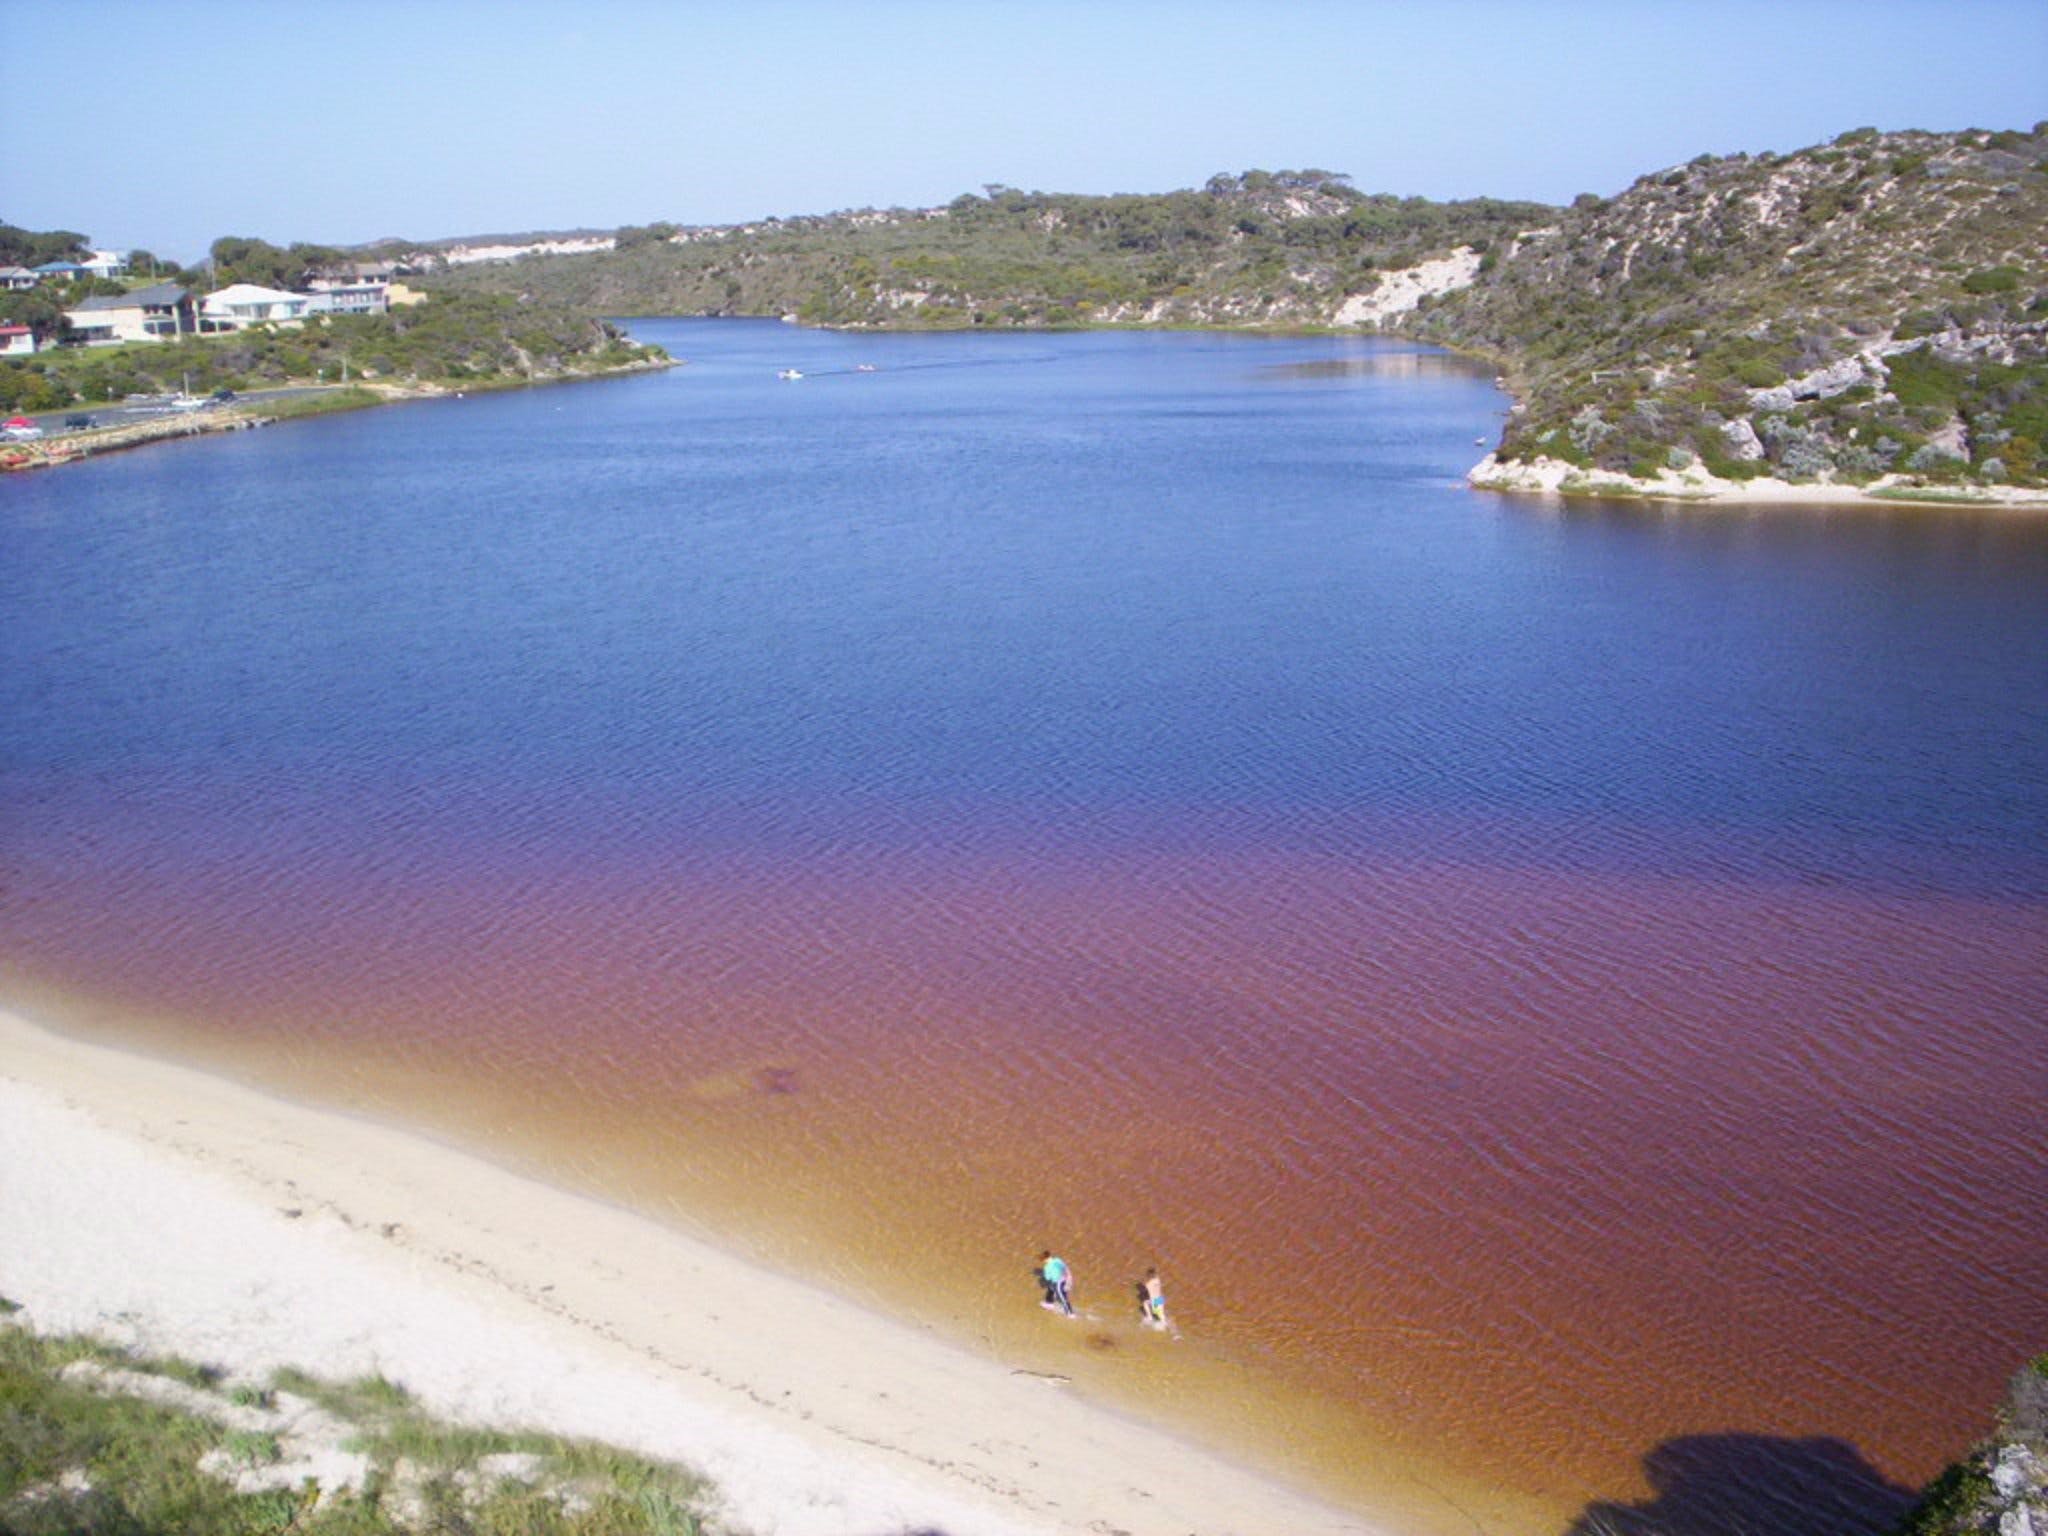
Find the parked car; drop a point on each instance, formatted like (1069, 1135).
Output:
(223, 395)
(78, 423)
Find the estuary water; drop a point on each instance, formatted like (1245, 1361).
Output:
(1557, 991)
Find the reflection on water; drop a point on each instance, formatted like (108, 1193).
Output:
(1542, 991)
(1387, 363)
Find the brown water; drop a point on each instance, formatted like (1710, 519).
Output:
(1550, 1170)
(1559, 999)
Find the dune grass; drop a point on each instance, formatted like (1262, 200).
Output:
(80, 1454)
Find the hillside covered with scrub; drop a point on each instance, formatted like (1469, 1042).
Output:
(1880, 304)
(1874, 306)
(1261, 248)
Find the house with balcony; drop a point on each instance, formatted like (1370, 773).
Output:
(106, 264)
(352, 288)
(14, 279)
(241, 305)
(146, 314)
(350, 299)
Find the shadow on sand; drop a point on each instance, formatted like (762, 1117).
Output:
(1754, 1485)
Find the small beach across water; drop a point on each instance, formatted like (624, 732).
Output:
(185, 1213)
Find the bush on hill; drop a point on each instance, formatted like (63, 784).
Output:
(459, 340)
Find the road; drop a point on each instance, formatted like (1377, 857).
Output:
(122, 413)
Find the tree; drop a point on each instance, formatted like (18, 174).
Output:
(243, 259)
(37, 308)
(30, 248)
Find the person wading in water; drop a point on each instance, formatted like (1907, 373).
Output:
(1152, 1299)
(1058, 1281)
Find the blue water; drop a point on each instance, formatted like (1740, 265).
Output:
(1105, 577)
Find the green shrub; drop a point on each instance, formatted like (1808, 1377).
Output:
(1920, 379)
(1949, 1500)
(1993, 280)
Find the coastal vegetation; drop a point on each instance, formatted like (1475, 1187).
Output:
(1261, 247)
(2001, 1487)
(1872, 312)
(1864, 311)
(1874, 306)
(460, 341)
(100, 1439)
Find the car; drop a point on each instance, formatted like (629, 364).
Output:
(78, 423)
(223, 395)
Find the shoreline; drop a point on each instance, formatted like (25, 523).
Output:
(187, 1213)
(48, 452)
(1557, 480)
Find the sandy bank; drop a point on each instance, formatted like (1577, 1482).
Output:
(188, 1214)
(1554, 477)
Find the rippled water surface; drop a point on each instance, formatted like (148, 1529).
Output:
(1558, 993)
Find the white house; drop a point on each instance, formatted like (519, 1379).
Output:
(106, 264)
(241, 305)
(13, 278)
(16, 340)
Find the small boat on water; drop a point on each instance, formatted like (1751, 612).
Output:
(790, 373)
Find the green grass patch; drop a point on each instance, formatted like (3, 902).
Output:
(133, 1465)
(326, 403)
(1929, 493)
(253, 1447)
(74, 1459)
(179, 1369)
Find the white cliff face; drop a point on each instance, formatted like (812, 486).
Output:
(1399, 292)
(463, 255)
(1821, 384)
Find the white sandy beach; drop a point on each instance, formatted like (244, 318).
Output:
(184, 1213)
(1555, 477)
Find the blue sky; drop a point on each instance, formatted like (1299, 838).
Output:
(150, 122)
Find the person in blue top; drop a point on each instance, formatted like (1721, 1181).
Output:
(1152, 1299)
(1058, 1281)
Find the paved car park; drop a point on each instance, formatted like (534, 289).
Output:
(121, 413)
